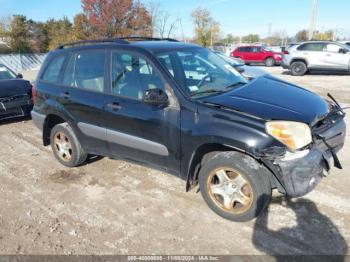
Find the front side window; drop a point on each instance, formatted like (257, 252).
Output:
(86, 70)
(200, 72)
(256, 49)
(53, 70)
(5, 73)
(132, 75)
(333, 48)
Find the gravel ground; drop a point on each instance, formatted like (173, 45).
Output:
(114, 207)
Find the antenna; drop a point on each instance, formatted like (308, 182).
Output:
(313, 19)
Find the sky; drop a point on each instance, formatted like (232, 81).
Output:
(238, 17)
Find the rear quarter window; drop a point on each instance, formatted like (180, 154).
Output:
(53, 70)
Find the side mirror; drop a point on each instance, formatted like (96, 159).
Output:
(239, 68)
(19, 76)
(156, 97)
(343, 50)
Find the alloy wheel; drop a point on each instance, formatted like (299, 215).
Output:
(63, 146)
(229, 190)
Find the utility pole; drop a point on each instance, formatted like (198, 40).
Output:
(313, 19)
(269, 32)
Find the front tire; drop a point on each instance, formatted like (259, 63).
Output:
(298, 68)
(66, 146)
(234, 185)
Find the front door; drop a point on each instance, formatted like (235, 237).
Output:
(335, 59)
(136, 130)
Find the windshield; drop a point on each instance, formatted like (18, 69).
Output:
(5, 73)
(345, 46)
(201, 72)
(267, 49)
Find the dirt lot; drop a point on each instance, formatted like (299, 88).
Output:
(114, 207)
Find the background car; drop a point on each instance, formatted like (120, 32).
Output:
(345, 42)
(239, 65)
(317, 55)
(15, 94)
(257, 54)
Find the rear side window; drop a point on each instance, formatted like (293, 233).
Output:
(244, 49)
(86, 70)
(319, 47)
(53, 70)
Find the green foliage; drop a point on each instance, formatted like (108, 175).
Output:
(58, 32)
(18, 35)
(230, 39)
(251, 38)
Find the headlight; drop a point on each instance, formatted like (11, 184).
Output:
(294, 135)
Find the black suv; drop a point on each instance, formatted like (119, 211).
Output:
(182, 109)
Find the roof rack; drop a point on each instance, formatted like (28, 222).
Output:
(145, 38)
(87, 42)
(122, 40)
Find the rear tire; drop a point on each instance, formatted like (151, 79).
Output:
(234, 185)
(298, 68)
(270, 62)
(66, 146)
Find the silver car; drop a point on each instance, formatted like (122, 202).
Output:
(317, 55)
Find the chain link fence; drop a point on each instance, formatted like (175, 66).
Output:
(22, 62)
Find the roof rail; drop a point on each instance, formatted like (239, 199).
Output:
(122, 40)
(87, 42)
(145, 38)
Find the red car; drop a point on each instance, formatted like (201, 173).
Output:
(257, 54)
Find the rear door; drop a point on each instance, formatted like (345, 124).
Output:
(314, 54)
(84, 96)
(136, 130)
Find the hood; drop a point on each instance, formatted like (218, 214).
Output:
(270, 98)
(13, 87)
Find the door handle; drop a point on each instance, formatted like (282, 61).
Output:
(114, 106)
(328, 55)
(65, 95)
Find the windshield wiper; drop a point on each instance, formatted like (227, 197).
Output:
(209, 91)
(235, 85)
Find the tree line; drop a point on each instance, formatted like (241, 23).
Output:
(120, 18)
(99, 19)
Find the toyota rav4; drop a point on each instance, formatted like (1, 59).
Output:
(180, 108)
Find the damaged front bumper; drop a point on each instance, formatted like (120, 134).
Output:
(15, 106)
(300, 172)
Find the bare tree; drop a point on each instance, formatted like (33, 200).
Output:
(207, 30)
(163, 25)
